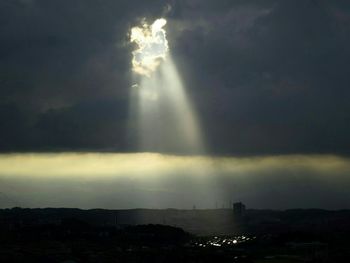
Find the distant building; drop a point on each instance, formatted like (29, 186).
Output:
(238, 209)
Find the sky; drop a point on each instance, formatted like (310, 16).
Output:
(268, 81)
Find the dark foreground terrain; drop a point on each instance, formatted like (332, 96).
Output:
(73, 235)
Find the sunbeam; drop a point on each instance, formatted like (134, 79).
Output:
(166, 119)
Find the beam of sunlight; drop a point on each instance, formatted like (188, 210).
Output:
(165, 118)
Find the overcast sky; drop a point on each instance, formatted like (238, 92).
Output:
(265, 77)
(268, 81)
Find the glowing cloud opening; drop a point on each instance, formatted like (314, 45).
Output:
(152, 46)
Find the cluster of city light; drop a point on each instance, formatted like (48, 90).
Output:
(223, 241)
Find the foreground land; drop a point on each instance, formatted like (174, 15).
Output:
(141, 235)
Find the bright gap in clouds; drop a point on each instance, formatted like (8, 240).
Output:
(152, 46)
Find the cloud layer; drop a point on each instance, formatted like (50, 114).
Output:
(265, 77)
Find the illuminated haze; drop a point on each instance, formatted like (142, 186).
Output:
(160, 181)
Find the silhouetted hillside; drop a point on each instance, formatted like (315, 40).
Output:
(142, 235)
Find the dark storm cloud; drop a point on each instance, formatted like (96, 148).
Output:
(85, 126)
(63, 52)
(62, 65)
(265, 76)
(275, 76)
